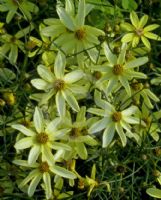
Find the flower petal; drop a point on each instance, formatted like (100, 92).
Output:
(62, 172)
(23, 129)
(81, 13)
(150, 27)
(33, 155)
(73, 76)
(108, 135)
(143, 21)
(24, 143)
(59, 65)
(38, 120)
(121, 134)
(134, 19)
(47, 181)
(71, 100)
(128, 37)
(39, 84)
(60, 104)
(99, 125)
(81, 150)
(136, 62)
(146, 42)
(65, 18)
(32, 187)
(109, 55)
(45, 74)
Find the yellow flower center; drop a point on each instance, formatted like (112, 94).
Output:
(117, 69)
(44, 167)
(42, 138)
(117, 116)
(80, 34)
(97, 75)
(13, 39)
(76, 132)
(137, 86)
(147, 121)
(30, 45)
(17, 2)
(59, 84)
(139, 31)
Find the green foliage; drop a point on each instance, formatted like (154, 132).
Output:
(80, 99)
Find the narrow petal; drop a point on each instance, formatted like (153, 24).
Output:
(24, 143)
(128, 37)
(52, 126)
(146, 42)
(129, 111)
(111, 84)
(47, 181)
(99, 125)
(59, 65)
(127, 26)
(135, 41)
(109, 55)
(108, 135)
(143, 21)
(60, 104)
(131, 120)
(81, 13)
(47, 154)
(136, 62)
(121, 134)
(24, 163)
(31, 175)
(62, 172)
(121, 57)
(71, 100)
(97, 111)
(88, 140)
(45, 74)
(59, 146)
(33, 155)
(32, 187)
(65, 18)
(151, 27)
(23, 130)
(152, 36)
(38, 120)
(125, 84)
(39, 84)
(134, 19)
(81, 150)
(73, 76)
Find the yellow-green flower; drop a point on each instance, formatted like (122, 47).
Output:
(42, 139)
(117, 71)
(78, 137)
(11, 44)
(138, 31)
(112, 121)
(57, 84)
(73, 36)
(42, 170)
(25, 6)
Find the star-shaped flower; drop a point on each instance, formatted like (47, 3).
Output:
(139, 31)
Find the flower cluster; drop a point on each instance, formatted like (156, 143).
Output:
(78, 63)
